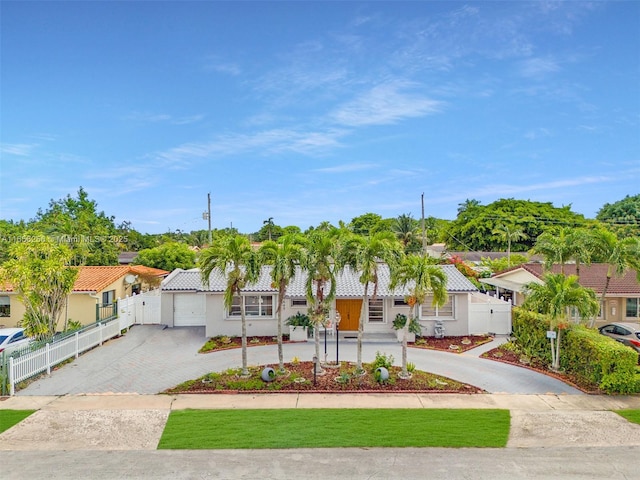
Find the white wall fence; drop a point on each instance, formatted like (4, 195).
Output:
(489, 315)
(142, 309)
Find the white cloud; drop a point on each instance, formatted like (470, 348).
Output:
(19, 149)
(347, 167)
(538, 67)
(386, 104)
(265, 142)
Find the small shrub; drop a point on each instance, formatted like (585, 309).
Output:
(411, 367)
(382, 360)
(414, 326)
(343, 378)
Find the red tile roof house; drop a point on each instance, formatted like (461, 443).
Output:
(93, 286)
(185, 301)
(622, 301)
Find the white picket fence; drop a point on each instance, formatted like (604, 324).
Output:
(43, 359)
(138, 309)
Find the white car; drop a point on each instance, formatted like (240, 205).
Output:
(12, 339)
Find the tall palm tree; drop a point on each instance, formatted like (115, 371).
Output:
(233, 258)
(420, 276)
(269, 223)
(555, 297)
(319, 263)
(405, 228)
(284, 255)
(363, 255)
(509, 233)
(555, 246)
(619, 255)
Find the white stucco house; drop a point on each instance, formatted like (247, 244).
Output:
(186, 301)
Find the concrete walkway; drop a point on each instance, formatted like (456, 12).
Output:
(150, 359)
(136, 422)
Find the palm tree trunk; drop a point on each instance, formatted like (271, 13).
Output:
(245, 370)
(280, 352)
(363, 312)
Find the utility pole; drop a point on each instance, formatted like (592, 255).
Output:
(424, 232)
(209, 217)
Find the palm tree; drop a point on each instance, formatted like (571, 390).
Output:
(420, 276)
(233, 258)
(509, 233)
(555, 247)
(269, 223)
(405, 228)
(363, 255)
(619, 255)
(319, 263)
(555, 297)
(284, 255)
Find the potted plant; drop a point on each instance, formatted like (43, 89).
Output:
(414, 327)
(300, 327)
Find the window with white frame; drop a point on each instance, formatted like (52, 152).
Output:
(376, 310)
(5, 306)
(399, 302)
(254, 306)
(298, 302)
(633, 308)
(428, 310)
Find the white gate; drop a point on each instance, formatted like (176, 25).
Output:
(142, 309)
(489, 315)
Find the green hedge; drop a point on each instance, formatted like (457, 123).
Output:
(594, 358)
(600, 360)
(530, 330)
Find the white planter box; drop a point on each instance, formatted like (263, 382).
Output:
(411, 337)
(298, 334)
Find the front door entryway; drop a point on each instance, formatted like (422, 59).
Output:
(349, 314)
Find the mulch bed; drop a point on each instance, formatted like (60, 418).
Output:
(513, 358)
(451, 344)
(299, 378)
(446, 344)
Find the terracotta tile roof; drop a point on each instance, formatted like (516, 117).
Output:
(95, 279)
(593, 276)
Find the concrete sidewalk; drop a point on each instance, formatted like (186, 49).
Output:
(136, 422)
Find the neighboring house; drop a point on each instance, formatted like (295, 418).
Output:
(622, 301)
(187, 302)
(126, 258)
(94, 294)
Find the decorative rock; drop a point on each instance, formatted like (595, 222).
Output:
(381, 374)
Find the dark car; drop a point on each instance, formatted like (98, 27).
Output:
(626, 333)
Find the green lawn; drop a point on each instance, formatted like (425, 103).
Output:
(8, 418)
(631, 415)
(317, 428)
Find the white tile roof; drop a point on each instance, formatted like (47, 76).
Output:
(347, 283)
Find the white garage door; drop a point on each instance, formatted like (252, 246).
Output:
(188, 310)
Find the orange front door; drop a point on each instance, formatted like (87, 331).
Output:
(349, 314)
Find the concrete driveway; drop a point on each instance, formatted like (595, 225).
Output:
(150, 358)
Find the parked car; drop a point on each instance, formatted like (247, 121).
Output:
(12, 339)
(626, 333)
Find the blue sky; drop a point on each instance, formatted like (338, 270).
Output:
(313, 111)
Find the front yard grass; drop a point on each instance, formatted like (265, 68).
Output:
(335, 428)
(631, 415)
(9, 418)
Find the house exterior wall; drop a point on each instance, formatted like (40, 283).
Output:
(218, 322)
(16, 311)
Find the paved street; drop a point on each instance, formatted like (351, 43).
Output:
(150, 359)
